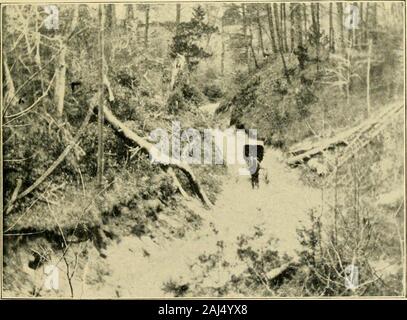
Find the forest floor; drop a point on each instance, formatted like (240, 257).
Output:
(278, 209)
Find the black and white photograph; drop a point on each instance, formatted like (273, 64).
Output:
(203, 149)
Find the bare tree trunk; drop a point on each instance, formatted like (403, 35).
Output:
(304, 11)
(129, 14)
(339, 7)
(110, 19)
(37, 57)
(256, 64)
(60, 73)
(222, 55)
(178, 66)
(100, 163)
(292, 31)
(362, 26)
(75, 18)
(151, 149)
(316, 30)
(147, 26)
(260, 32)
(354, 35)
(374, 22)
(244, 20)
(271, 28)
(366, 35)
(348, 78)
(9, 205)
(280, 41)
(10, 95)
(331, 30)
(178, 14)
(313, 16)
(284, 22)
(369, 53)
(298, 23)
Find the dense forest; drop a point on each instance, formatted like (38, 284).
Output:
(84, 86)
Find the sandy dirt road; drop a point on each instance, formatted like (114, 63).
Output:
(278, 208)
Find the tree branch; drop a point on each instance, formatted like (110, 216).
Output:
(62, 156)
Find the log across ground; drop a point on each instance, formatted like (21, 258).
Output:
(352, 139)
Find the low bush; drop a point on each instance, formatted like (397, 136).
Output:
(213, 92)
(192, 94)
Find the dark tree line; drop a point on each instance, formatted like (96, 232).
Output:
(282, 28)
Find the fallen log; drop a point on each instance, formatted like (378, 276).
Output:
(358, 143)
(152, 150)
(305, 151)
(61, 157)
(322, 146)
(308, 148)
(308, 145)
(177, 183)
(14, 196)
(283, 271)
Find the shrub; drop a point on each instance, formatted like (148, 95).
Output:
(213, 92)
(192, 94)
(176, 102)
(185, 94)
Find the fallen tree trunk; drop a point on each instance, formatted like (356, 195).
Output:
(364, 138)
(340, 138)
(308, 145)
(152, 150)
(281, 272)
(62, 156)
(305, 151)
(10, 97)
(171, 172)
(14, 196)
(322, 146)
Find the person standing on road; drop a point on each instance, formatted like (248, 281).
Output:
(254, 169)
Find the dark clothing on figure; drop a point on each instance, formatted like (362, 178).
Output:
(255, 173)
(255, 180)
